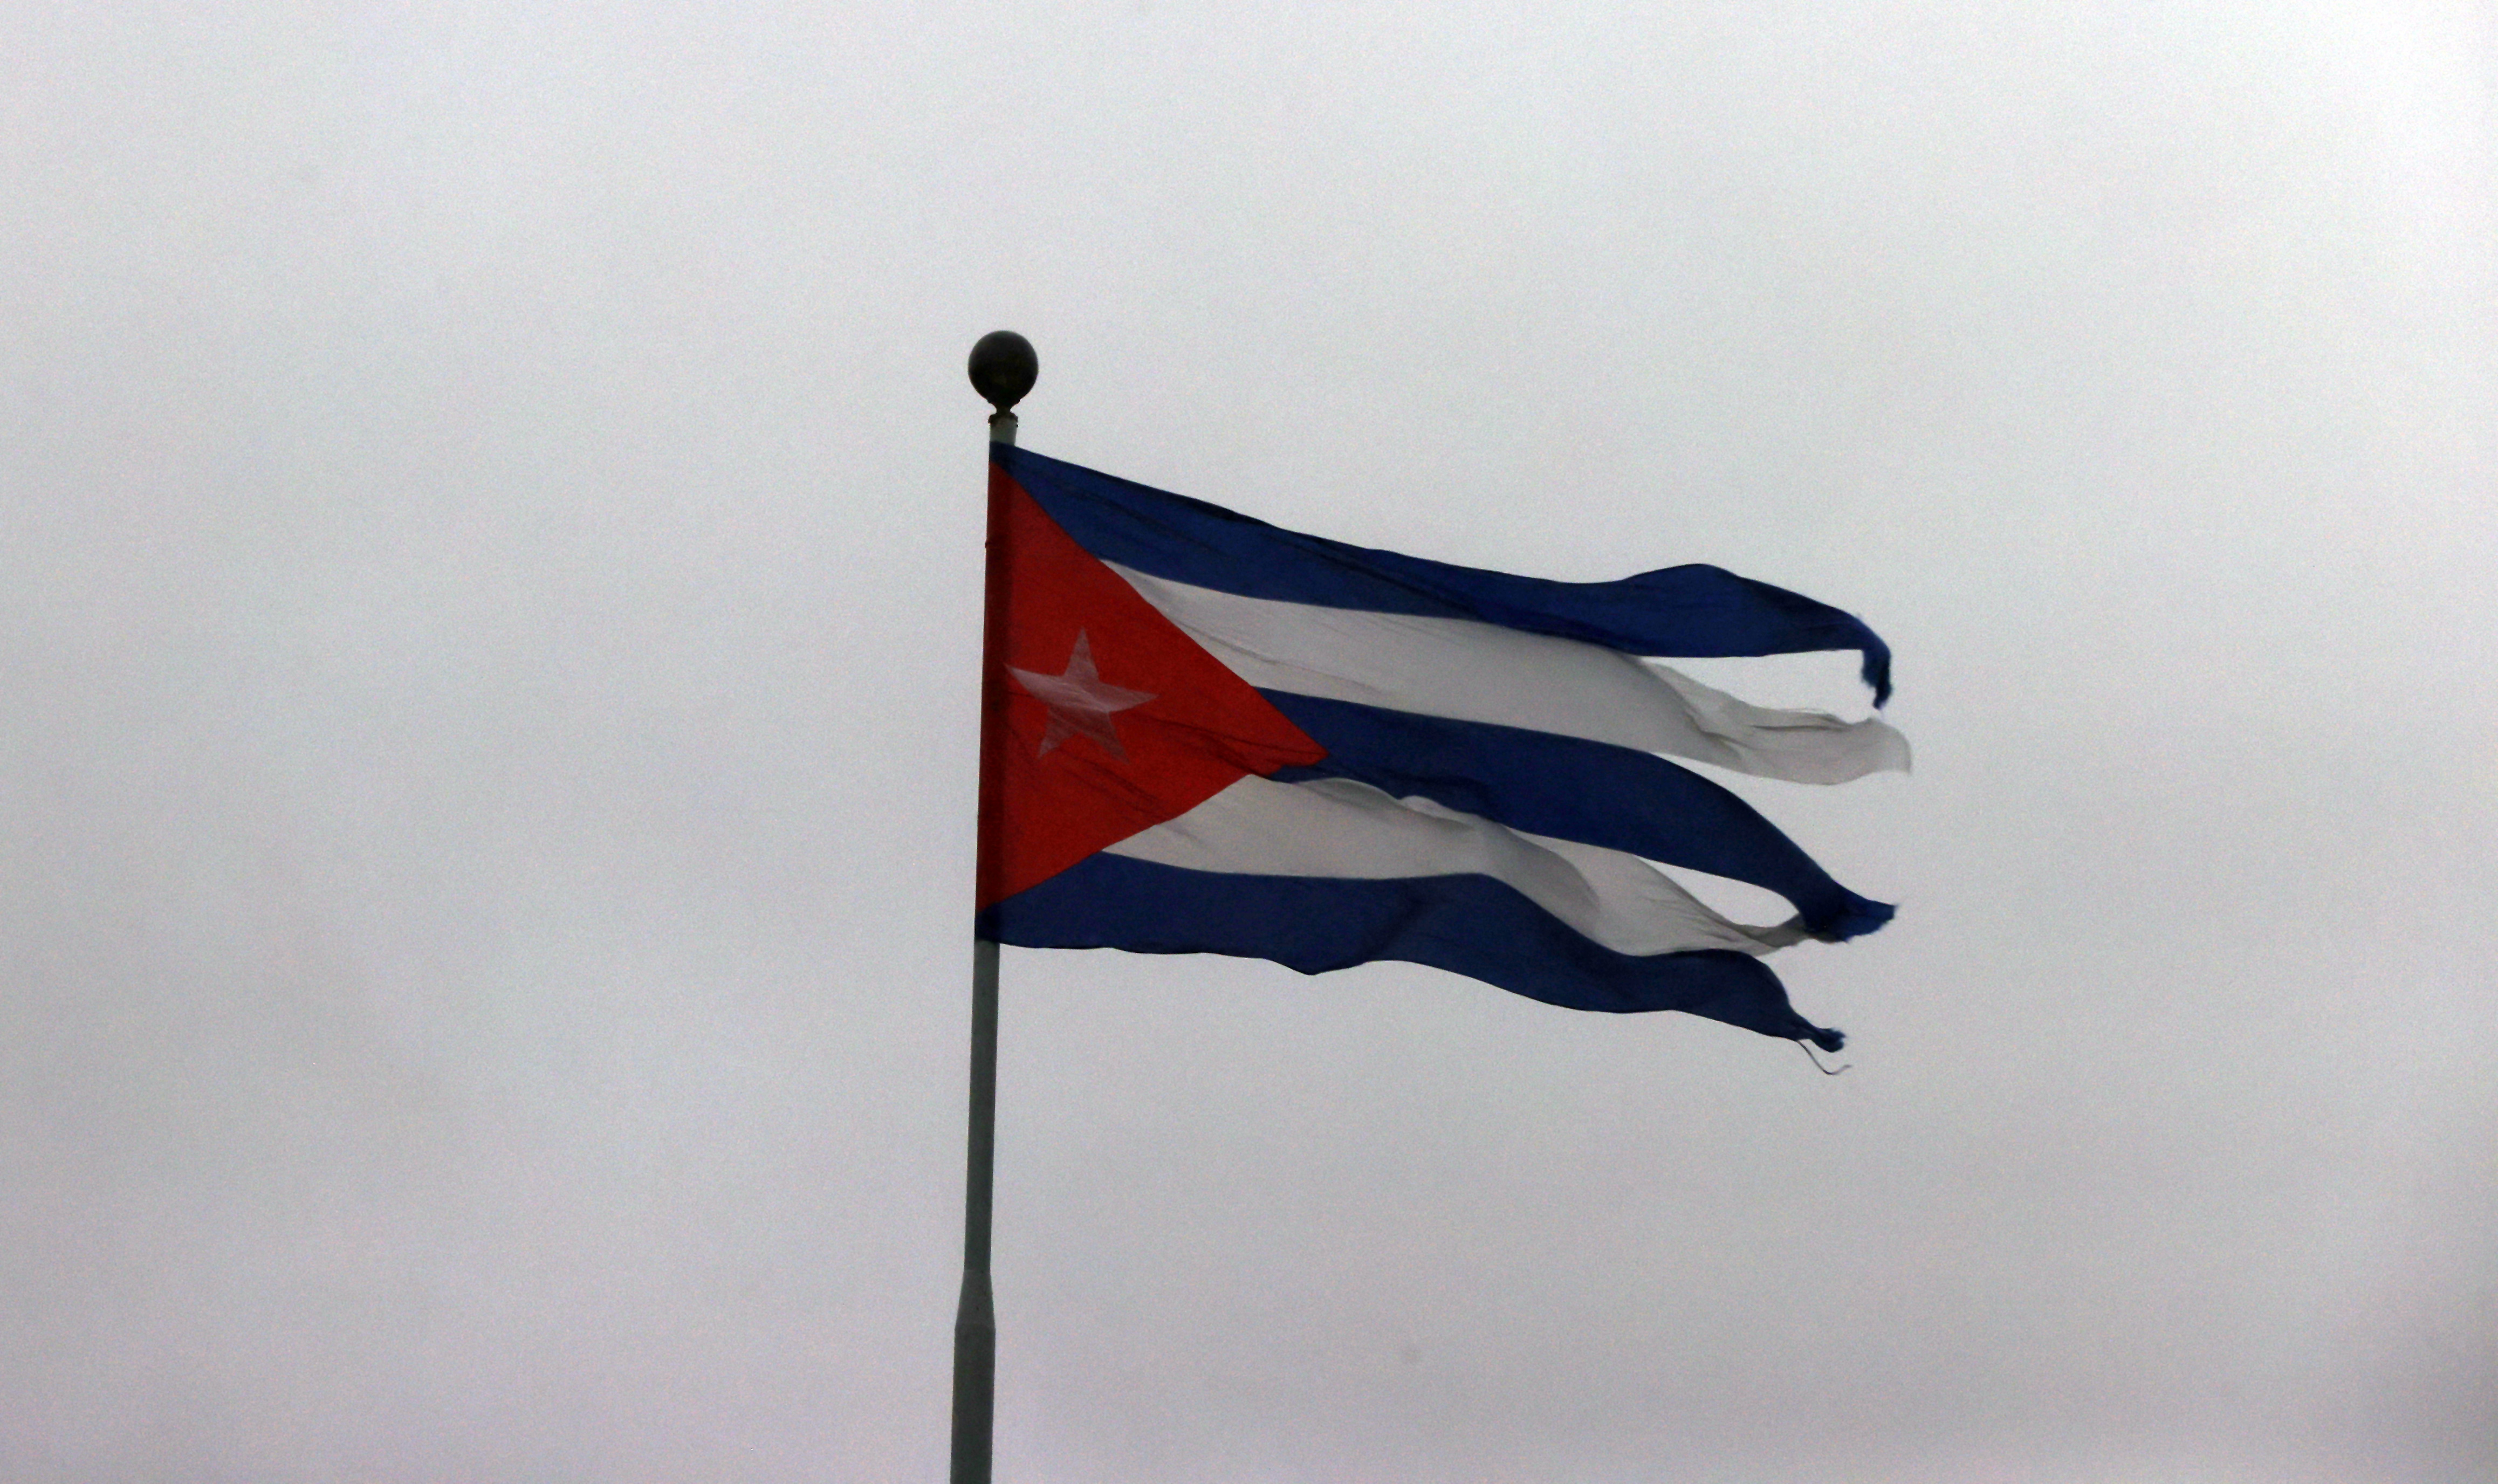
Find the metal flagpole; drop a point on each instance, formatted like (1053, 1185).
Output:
(1003, 370)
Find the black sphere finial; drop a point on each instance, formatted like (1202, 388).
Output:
(1004, 367)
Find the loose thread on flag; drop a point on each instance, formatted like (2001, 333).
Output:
(1806, 1048)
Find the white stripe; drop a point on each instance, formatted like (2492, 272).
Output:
(1337, 829)
(1474, 671)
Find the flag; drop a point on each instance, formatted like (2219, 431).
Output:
(1202, 734)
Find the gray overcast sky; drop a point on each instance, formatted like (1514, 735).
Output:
(489, 549)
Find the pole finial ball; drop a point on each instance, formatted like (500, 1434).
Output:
(1004, 367)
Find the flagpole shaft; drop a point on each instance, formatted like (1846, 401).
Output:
(975, 1323)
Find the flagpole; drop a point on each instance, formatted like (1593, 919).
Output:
(1003, 370)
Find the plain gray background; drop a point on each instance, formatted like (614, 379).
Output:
(489, 558)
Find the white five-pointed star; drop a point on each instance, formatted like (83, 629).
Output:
(1079, 702)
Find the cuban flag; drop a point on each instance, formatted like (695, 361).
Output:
(1204, 735)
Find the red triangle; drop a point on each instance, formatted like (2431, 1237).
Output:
(1050, 796)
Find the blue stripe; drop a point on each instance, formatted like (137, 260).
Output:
(1573, 789)
(1466, 925)
(1696, 611)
